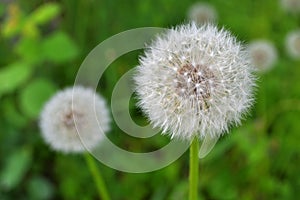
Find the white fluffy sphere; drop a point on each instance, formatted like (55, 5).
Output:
(202, 13)
(194, 81)
(71, 113)
(292, 6)
(263, 54)
(292, 43)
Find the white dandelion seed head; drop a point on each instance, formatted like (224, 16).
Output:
(202, 13)
(292, 43)
(194, 81)
(292, 6)
(263, 54)
(73, 111)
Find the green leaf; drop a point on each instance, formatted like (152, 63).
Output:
(58, 47)
(29, 50)
(15, 168)
(13, 76)
(35, 95)
(30, 30)
(45, 13)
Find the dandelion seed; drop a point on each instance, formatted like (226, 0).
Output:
(70, 112)
(263, 54)
(292, 43)
(209, 95)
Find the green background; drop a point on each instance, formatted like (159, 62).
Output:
(42, 45)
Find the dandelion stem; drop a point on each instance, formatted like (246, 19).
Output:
(194, 170)
(102, 191)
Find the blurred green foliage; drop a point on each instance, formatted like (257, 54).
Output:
(42, 46)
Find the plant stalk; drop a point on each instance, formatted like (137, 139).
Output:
(194, 170)
(100, 184)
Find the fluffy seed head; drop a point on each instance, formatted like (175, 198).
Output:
(74, 111)
(292, 43)
(194, 81)
(292, 6)
(202, 13)
(263, 54)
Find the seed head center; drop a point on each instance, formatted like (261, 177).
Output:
(194, 81)
(69, 119)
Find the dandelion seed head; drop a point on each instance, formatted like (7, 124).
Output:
(202, 13)
(70, 112)
(292, 43)
(205, 94)
(292, 6)
(263, 54)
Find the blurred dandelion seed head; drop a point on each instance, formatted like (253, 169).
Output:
(202, 13)
(70, 111)
(292, 43)
(292, 6)
(263, 54)
(194, 81)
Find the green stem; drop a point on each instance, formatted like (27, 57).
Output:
(102, 191)
(194, 170)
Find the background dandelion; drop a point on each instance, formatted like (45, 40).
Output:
(74, 120)
(292, 6)
(263, 54)
(70, 119)
(292, 44)
(202, 13)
